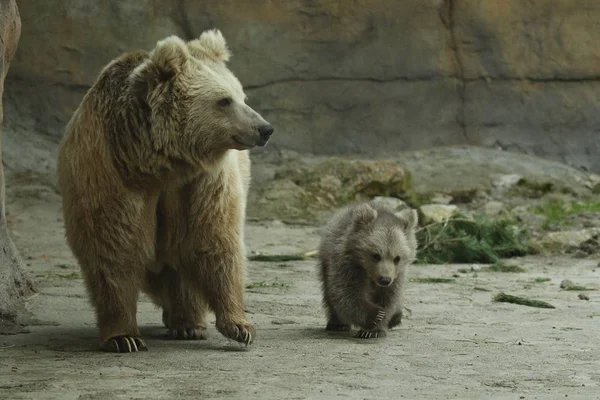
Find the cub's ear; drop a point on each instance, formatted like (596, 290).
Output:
(170, 56)
(409, 218)
(363, 215)
(211, 44)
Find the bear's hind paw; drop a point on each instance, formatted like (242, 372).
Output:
(198, 333)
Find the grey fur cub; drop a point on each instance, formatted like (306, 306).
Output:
(363, 256)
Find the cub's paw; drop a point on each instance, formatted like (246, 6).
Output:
(395, 320)
(335, 326)
(124, 344)
(242, 332)
(197, 333)
(363, 334)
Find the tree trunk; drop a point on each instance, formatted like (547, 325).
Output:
(14, 284)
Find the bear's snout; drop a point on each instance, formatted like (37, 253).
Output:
(265, 132)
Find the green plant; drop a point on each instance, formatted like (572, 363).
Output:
(468, 240)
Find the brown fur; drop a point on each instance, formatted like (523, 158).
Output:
(154, 173)
(362, 246)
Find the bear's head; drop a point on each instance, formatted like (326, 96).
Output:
(197, 107)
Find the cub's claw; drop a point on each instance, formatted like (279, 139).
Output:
(363, 334)
(376, 319)
(124, 344)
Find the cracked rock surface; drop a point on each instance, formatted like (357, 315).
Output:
(352, 77)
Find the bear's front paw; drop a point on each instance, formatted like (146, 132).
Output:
(242, 332)
(363, 334)
(124, 344)
(197, 333)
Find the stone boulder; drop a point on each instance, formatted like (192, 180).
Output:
(14, 283)
(311, 191)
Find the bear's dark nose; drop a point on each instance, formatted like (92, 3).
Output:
(385, 281)
(265, 132)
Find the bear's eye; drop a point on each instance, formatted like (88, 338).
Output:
(376, 257)
(396, 259)
(225, 101)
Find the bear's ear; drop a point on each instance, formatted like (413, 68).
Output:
(210, 44)
(170, 56)
(363, 215)
(409, 218)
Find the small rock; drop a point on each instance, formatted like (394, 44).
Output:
(583, 296)
(494, 208)
(507, 181)
(391, 202)
(441, 198)
(580, 254)
(438, 212)
(283, 322)
(566, 283)
(594, 183)
(475, 267)
(556, 242)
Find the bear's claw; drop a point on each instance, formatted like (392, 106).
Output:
(243, 333)
(124, 344)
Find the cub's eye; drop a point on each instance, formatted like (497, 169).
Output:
(376, 257)
(225, 102)
(396, 259)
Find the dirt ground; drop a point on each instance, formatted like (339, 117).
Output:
(457, 343)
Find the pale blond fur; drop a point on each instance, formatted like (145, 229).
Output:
(154, 171)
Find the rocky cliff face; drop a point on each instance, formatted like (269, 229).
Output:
(370, 77)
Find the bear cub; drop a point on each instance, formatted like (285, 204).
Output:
(364, 252)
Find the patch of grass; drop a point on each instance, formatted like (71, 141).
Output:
(542, 280)
(569, 329)
(502, 267)
(470, 240)
(557, 211)
(72, 275)
(524, 301)
(263, 284)
(433, 280)
(577, 288)
(463, 270)
(481, 289)
(533, 189)
(277, 257)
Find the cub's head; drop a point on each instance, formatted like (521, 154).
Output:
(196, 105)
(383, 242)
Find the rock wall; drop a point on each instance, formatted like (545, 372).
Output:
(369, 77)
